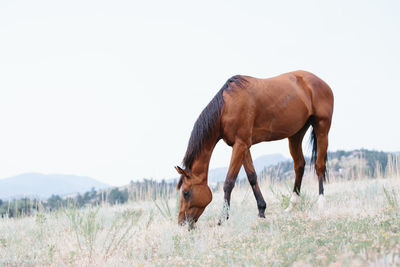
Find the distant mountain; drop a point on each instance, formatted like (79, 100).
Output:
(37, 185)
(219, 174)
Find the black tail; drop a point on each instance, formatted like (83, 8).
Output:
(314, 154)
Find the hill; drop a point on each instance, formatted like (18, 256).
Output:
(37, 185)
(343, 165)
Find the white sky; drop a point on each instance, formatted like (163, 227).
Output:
(111, 89)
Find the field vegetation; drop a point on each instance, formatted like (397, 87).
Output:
(359, 226)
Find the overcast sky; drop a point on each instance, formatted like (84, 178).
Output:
(111, 89)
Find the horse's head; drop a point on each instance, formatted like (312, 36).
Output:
(195, 195)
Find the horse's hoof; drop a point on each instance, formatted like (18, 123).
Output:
(292, 202)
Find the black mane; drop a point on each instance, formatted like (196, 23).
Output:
(208, 121)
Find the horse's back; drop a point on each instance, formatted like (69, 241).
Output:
(312, 90)
(274, 108)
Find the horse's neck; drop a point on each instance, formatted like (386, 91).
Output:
(202, 161)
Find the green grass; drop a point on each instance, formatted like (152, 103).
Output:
(360, 226)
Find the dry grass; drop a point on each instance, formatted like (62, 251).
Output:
(360, 226)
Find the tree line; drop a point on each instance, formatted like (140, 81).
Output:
(344, 165)
(135, 191)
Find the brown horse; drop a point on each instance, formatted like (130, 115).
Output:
(247, 111)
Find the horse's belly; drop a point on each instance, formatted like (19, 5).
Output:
(270, 126)
(268, 134)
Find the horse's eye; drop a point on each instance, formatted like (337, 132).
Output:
(186, 194)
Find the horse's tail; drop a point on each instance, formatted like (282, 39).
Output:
(314, 154)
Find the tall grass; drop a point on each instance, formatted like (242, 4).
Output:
(359, 226)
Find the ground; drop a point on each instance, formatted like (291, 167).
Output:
(359, 226)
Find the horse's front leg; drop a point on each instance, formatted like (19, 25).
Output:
(238, 154)
(252, 177)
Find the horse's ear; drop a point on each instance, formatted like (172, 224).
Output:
(183, 174)
(182, 171)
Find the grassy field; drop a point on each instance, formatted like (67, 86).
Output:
(359, 226)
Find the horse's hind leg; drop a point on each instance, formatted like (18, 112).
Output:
(295, 146)
(321, 130)
(252, 177)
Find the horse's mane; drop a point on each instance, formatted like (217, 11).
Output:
(208, 122)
